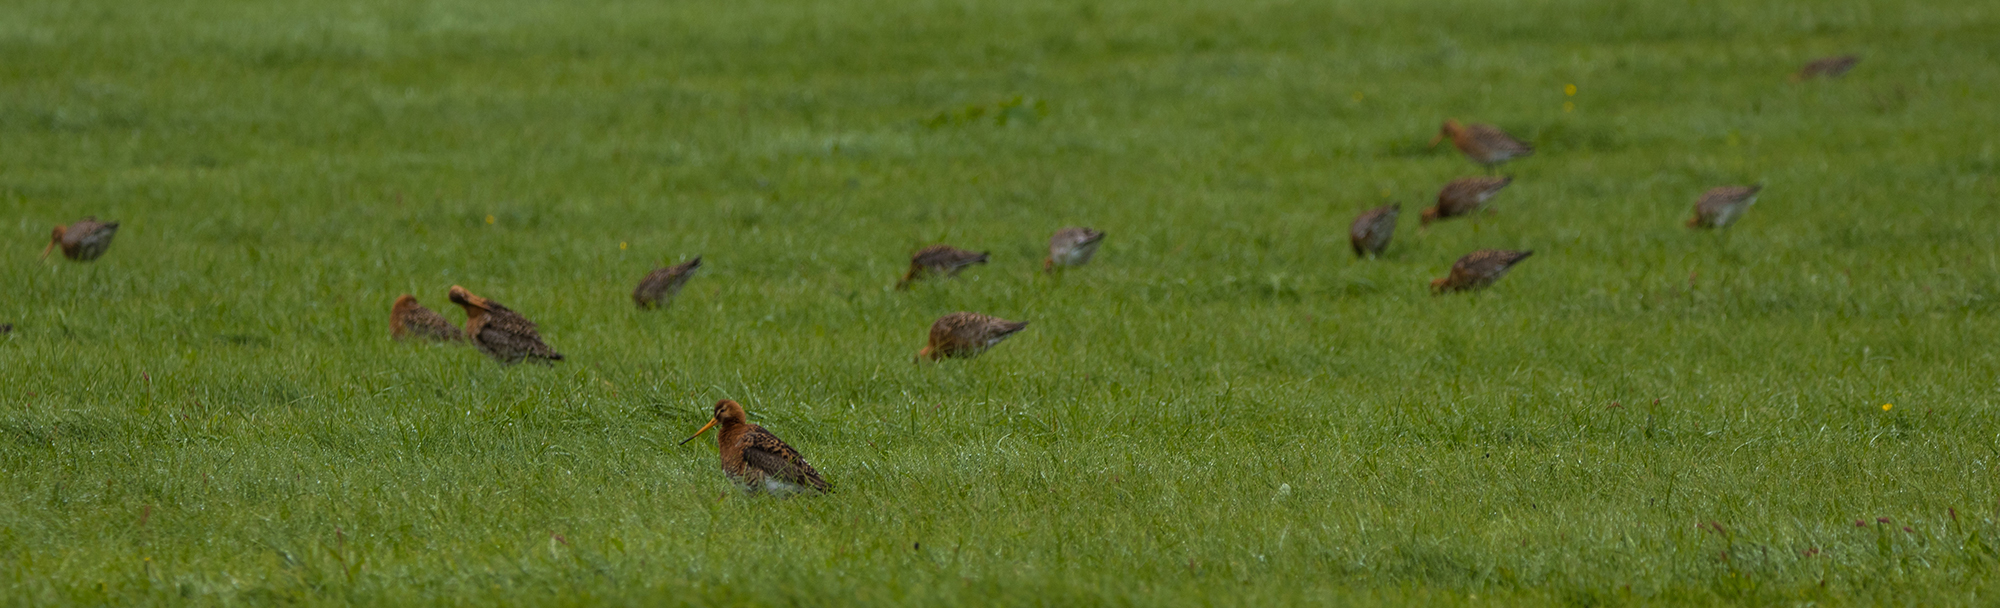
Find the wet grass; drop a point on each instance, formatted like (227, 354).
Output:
(1224, 408)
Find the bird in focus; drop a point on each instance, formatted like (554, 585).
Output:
(1827, 67)
(1463, 196)
(963, 335)
(1484, 144)
(82, 240)
(659, 286)
(408, 319)
(757, 460)
(1072, 246)
(1719, 207)
(502, 334)
(942, 260)
(1478, 269)
(1370, 233)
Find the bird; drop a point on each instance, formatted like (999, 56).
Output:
(1478, 269)
(6, 328)
(502, 334)
(408, 319)
(1370, 232)
(1072, 246)
(1484, 144)
(757, 460)
(963, 335)
(659, 286)
(939, 259)
(82, 240)
(1719, 207)
(1463, 196)
(1827, 67)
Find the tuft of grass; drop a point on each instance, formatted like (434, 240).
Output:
(1224, 407)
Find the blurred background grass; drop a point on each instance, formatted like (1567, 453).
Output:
(1223, 408)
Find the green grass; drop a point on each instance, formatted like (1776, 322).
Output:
(1223, 408)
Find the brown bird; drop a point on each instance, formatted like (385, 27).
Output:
(1719, 207)
(659, 286)
(1072, 247)
(408, 319)
(1827, 67)
(757, 460)
(83, 240)
(939, 260)
(1370, 232)
(1478, 269)
(1484, 144)
(502, 334)
(963, 335)
(1463, 196)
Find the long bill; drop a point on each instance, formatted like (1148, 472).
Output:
(704, 429)
(45, 250)
(1435, 140)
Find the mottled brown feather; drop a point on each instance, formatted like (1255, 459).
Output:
(83, 240)
(1072, 246)
(939, 260)
(964, 335)
(1464, 196)
(409, 319)
(752, 456)
(1484, 144)
(659, 286)
(1371, 232)
(1719, 207)
(502, 334)
(1479, 269)
(1827, 67)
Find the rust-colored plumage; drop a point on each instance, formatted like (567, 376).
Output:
(408, 319)
(1072, 246)
(1463, 196)
(963, 335)
(82, 240)
(1827, 67)
(659, 286)
(502, 334)
(941, 260)
(1370, 233)
(1478, 269)
(757, 460)
(1484, 144)
(1719, 207)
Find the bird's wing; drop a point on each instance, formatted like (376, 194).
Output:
(765, 452)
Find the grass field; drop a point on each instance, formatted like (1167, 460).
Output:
(1224, 408)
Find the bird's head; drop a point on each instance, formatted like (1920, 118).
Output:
(465, 298)
(1429, 215)
(727, 413)
(54, 239)
(1450, 129)
(405, 303)
(1437, 286)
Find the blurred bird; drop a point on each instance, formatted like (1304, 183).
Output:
(939, 260)
(83, 240)
(1484, 144)
(502, 334)
(1719, 207)
(408, 319)
(1072, 246)
(963, 335)
(1478, 269)
(1370, 232)
(1827, 67)
(757, 460)
(6, 327)
(1463, 196)
(659, 286)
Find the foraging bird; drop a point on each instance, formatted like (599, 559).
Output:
(939, 260)
(1370, 232)
(1827, 67)
(408, 319)
(502, 334)
(1072, 246)
(1719, 207)
(83, 240)
(659, 286)
(963, 335)
(757, 460)
(1463, 196)
(1478, 269)
(1484, 144)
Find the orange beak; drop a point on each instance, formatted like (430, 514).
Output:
(1435, 140)
(45, 250)
(704, 429)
